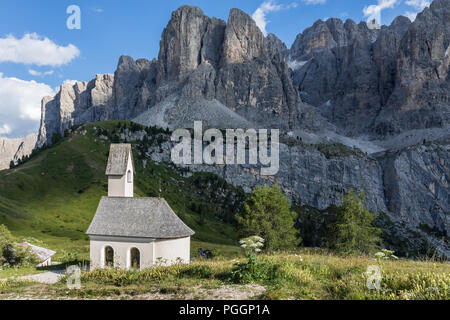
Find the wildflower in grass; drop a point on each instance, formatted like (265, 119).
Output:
(252, 245)
(386, 255)
(380, 255)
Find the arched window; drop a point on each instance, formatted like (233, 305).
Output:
(135, 259)
(109, 257)
(129, 176)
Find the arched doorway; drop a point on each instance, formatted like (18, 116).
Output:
(109, 257)
(135, 259)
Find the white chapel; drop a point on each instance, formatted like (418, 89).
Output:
(128, 232)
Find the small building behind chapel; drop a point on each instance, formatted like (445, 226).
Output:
(43, 255)
(128, 232)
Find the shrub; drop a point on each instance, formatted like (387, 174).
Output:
(251, 272)
(12, 255)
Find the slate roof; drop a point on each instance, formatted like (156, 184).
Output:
(137, 217)
(118, 159)
(42, 253)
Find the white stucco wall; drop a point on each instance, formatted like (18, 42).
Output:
(45, 263)
(171, 249)
(150, 250)
(121, 253)
(118, 186)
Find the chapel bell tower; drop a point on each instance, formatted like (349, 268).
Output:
(120, 171)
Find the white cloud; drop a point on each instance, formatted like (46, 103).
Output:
(20, 105)
(34, 49)
(39, 73)
(373, 12)
(98, 10)
(411, 15)
(418, 5)
(268, 6)
(260, 14)
(314, 1)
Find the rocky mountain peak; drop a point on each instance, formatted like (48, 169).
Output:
(181, 42)
(359, 78)
(243, 39)
(316, 38)
(421, 98)
(400, 22)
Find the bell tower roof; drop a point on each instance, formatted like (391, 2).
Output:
(118, 159)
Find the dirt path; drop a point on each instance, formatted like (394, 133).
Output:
(47, 277)
(228, 292)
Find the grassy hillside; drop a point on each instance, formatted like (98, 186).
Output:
(53, 196)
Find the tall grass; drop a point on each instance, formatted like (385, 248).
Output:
(285, 276)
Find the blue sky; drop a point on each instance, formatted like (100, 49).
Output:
(43, 52)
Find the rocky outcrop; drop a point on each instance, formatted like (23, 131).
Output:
(75, 104)
(421, 98)
(133, 87)
(189, 40)
(15, 149)
(334, 69)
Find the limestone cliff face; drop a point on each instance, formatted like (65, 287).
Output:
(334, 69)
(15, 149)
(183, 42)
(421, 97)
(75, 104)
(228, 62)
(377, 82)
(412, 185)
